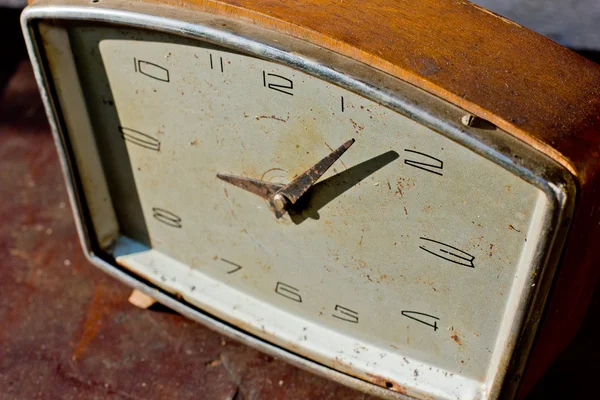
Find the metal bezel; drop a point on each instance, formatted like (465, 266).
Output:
(495, 145)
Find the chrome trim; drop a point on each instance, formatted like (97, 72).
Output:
(498, 146)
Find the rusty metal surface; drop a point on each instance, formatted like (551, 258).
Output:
(67, 330)
(279, 196)
(260, 188)
(296, 188)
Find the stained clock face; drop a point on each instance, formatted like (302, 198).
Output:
(400, 259)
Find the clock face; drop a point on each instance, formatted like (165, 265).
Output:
(403, 264)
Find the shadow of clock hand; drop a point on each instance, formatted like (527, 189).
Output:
(322, 193)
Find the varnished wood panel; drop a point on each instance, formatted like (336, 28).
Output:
(529, 86)
(526, 84)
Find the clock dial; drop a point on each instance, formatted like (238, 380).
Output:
(282, 198)
(406, 257)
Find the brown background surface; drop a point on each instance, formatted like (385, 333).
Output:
(67, 330)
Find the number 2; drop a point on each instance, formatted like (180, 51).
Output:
(425, 165)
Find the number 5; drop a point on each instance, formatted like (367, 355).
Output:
(346, 314)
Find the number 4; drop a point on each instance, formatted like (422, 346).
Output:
(426, 319)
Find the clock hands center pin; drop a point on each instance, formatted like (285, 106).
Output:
(280, 197)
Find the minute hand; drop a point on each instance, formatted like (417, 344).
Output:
(296, 188)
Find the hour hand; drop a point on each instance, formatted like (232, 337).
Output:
(259, 188)
(296, 188)
(291, 192)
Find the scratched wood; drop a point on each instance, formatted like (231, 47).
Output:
(536, 90)
(533, 88)
(526, 84)
(67, 330)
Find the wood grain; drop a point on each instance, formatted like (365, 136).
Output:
(526, 84)
(529, 86)
(68, 324)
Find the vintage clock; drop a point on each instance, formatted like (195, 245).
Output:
(382, 192)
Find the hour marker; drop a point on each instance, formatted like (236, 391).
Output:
(448, 253)
(139, 138)
(345, 314)
(237, 266)
(288, 291)
(423, 318)
(166, 217)
(212, 64)
(425, 164)
(151, 70)
(278, 83)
